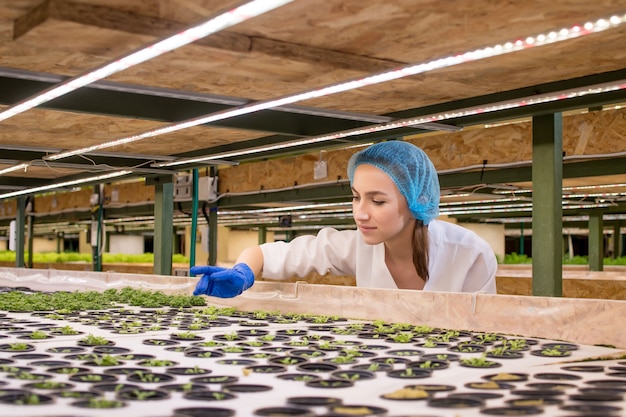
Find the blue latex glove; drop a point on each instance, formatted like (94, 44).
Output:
(223, 282)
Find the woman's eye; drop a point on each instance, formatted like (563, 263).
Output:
(378, 202)
(355, 197)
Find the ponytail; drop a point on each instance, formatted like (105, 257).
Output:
(420, 249)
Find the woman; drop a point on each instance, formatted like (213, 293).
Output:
(397, 244)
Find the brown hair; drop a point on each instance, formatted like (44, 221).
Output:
(420, 249)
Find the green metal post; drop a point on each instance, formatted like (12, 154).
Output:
(617, 238)
(262, 235)
(20, 227)
(163, 224)
(97, 217)
(521, 238)
(596, 242)
(212, 235)
(547, 176)
(30, 234)
(194, 219)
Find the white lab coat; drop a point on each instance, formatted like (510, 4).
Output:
(459, 260)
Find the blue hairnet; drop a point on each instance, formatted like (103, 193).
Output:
(410, 169)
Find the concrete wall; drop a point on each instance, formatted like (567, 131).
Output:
(40, 245)
(492, 233)
(83, 243)
(43, 244)
(126, 244)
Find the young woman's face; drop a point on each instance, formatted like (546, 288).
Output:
(379, 209)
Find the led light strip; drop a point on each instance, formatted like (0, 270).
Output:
(474, 202)
(13, 168)
(495, 208)
(470, 208)
(594, 195)
(282, 209)
(500, 49)
(593, 187)
(460, 195)
(514, 209)
(572, 188)
(220, 22)
(565, 219)
(64, 184)
(468, 111)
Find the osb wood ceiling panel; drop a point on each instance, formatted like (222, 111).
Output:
(65, 130)
(508, 144)
(317, 43)
(304, 45)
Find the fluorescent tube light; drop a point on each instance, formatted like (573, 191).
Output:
(593, 187)
(34, 190)
(213, 25)
(504, 209)
(14, 168)
(476, 202)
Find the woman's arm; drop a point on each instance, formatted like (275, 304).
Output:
(481, 277)
(253, 257)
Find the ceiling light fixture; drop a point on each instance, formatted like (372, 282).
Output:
(513, 209)
(594, 195)
(14, 168)
(192, 34)
(283, 209)
(593, 187)
(476, 202)
(570, 188)
(468, 111)
(607, 217)
(500, 49)
(34, 190)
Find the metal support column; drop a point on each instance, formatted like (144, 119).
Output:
(212, 235)
(60, 237)
(30, 222)
(20, 227)
(163, 223)
(97, 229)
(596, 242)
(617, 239)
(194, 219)
(547, 176)
(262, 235)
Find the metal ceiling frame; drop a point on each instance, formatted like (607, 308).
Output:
(284, 124)
(341, 192)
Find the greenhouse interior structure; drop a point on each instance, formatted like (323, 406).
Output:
(187, 130)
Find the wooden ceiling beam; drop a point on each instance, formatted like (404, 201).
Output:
(323, 57)
(123, 21)
(114, 19)
(33, 18)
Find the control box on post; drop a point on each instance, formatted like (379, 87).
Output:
(207, 188)
(183, 188)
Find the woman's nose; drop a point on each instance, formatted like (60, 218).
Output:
(358, 210)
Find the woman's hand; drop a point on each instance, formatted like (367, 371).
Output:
(223, 282)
